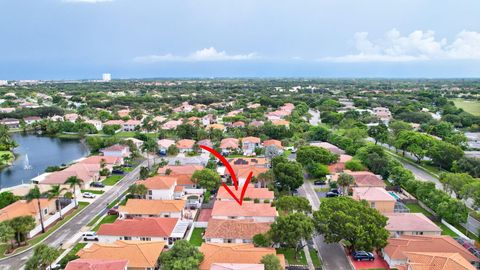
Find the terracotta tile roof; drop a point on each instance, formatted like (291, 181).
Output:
(276, 143)
(397, 247)
(140, 254)
(165, 143)
(84, 171)
(440, 261)
(92, 264)
(180, 169)
(256, 123)
(113, 122)
(98, 159)
(236, 266)
(250, 140)
(158, 182)
(330, 147)
(206, 142)
(243, 171)
(185, 144)
(280, 122)
(23, 208)
(416, 222)
(234, 253)
(151, 207)
(247, 209)
(235, 229)
(229, 143)
(116, 147)
(148, 227)
(215, 126)
(363, 179)
(251, 192)
(238, 124)
(372, 194)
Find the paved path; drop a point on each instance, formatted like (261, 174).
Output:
(75, 224)
(332, 255)
(315, 120)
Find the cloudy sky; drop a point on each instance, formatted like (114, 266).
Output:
(77, 39)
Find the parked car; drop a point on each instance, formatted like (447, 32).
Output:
(363, 256)
(331, 194)
(89, 236)
(319, 182)
(475, 251)
(112, 212)
(117, 171)
(97, 184)
(88, 195)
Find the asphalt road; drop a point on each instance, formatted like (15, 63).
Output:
(74, 225)
(332, 255)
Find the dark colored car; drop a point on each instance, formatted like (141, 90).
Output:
(117, 171)
(112, 212)
(97, 184)
(363, 256)
(331, 194)
(319, 182)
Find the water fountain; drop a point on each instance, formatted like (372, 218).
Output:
(26, 163)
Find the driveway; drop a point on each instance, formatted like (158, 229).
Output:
(332, 255)
(73, 226)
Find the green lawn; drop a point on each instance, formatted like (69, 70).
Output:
(289, 254)
(106, 219)
(196, 238)
(415, 208)
(315, 259)
(37, 239)
(470, 106)
(112, 180)
(3, 249)
(94, 191)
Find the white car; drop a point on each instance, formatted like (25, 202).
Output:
(88, 195)
(89, 236)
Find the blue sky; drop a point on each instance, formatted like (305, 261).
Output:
(77, 39)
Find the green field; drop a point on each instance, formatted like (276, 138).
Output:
(112, 180)
(470, 106)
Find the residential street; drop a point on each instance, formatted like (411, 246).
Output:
(78, 222)
(332, 255)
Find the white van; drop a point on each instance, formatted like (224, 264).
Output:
(89, 236)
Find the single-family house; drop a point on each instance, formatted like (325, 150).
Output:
(249, 144)
(141, 255)
(209, 119)
(363, 179)
(339, 166)
(124, 113)
(252, 193)
(97, 264)
(259, 212)
(110, 161)
(116, 150)
(88, 173)
(168, 230)
(383, 114)
(183, 173)
(215, 126)
(217, 254)
(32, 119)
(163, 145)
(238, 124)
(328, 146)
(24, 208)
(376, 197)
(131, 125)
(256, 123)
(185, 145)
(436, 260)
(71, 117)
(10, 122)
(410, 224)
(172, 124)
(152, 208)
(243, 171)
(229, 144)
(138, 143)
(234, 231)
(281, 122)
(251, 161)
(397, 249)
(207, 143)
(275, 143)
(96, 123)
(159, 187)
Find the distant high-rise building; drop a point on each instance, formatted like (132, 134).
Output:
(3, 82)
(106, 77)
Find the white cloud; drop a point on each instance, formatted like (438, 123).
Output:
(417, 46)
(87, 1)
(206, 54)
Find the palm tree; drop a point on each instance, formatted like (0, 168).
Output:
(345, 180)
(150, 146)
(35, 194)
(74, 182)
(54, 193)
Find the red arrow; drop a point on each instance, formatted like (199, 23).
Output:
(232, 173)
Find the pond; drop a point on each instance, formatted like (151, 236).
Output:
(41, 152)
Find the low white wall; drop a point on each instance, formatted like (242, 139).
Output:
(455, 230)
(51, 220)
